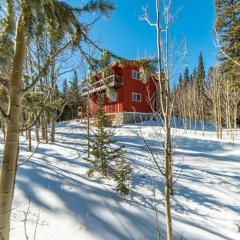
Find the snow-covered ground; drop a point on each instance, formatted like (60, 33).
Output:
(55, 200)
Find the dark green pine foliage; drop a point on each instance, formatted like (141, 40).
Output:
(180, 79)
(122, 174)
(194, 74)
(103, 151)
(227, 26)
(191, 78)
(186, 77)
(74, 96)
(74, 93)
(67, 112)
(200, 77)
(65, 88)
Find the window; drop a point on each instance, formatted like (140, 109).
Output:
(136, 75)
(136, 97)
(101, 99)
(113, 97)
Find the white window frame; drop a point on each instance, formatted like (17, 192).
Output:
(114, 99)
(135, 98)
(136, 75)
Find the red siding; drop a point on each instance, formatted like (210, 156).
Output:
(132, 85)
(124, 102)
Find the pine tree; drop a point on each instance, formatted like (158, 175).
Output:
(65, 88)
(186, 77)
(194, 74)
(74, 88)
(201, 96)
(122, 174)
(74, 96)
(227, 26)
(103, 151)
(200, 78)
(180, 79)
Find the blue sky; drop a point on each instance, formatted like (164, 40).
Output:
(127, 36)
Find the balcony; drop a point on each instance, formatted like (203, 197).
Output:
(111, 81)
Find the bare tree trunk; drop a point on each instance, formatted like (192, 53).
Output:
(3, 126)
(10, 154)
(37, 133)
(164, 91)
(42, 127)
(26, 134)
(29, 140)
(235, 118)
(88, 123)
(53, 130)
(46, 130)
(168, 177)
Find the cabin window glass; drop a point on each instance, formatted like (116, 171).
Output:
(101, 99)
(113, 97)
(136, 97)
(136, 75)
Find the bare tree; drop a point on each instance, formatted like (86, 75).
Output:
(167, 69)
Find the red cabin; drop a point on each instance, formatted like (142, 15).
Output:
(130, 99)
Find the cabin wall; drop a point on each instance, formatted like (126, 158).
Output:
(110, 107)
(147, 91)
(124, 101)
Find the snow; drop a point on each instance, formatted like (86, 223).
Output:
(64, 203)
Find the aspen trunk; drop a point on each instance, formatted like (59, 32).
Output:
(3, 126)
(168, 179)
(53, 130)
(235, 119)
(29, 140)
(46, 130)
(164, 101)
(42, 128)
(10, 153)
(220, 121)
(26, 135)
(37, 133)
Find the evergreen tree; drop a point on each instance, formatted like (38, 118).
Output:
(74, 88)
(191, 78)
(180, 79)
(186, 77)
(122, 174)
(74, 96)
(194, 74)
(228, 31)
(200, 77)
(65, 88)
(102, 147)
(67, 111)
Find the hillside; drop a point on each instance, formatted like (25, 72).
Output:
(54, 199)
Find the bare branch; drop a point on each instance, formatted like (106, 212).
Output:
(4, 114)
(39, 114)
(145, 18)
(141, 137)
(42, 72)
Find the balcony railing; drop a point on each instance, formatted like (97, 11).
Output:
(111, 81)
